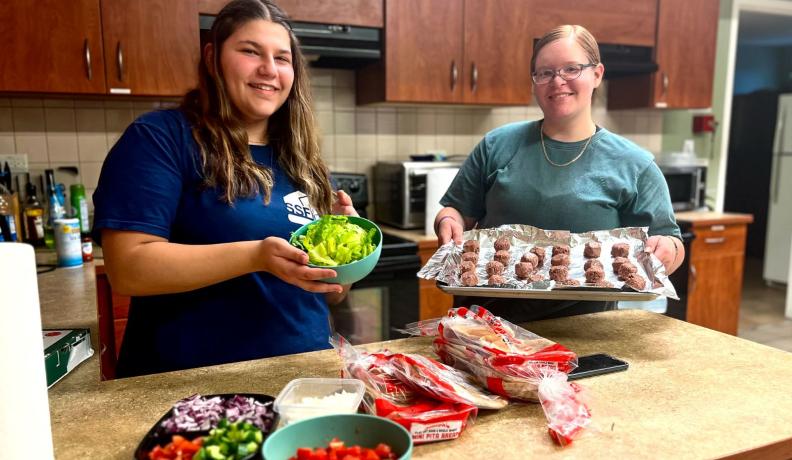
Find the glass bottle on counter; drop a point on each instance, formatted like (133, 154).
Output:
(55, 208)
(33, 217)
(8, 229)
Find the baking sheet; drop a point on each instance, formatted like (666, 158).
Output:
(444, 265)
(572, 293)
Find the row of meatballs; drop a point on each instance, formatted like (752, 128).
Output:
(559, 270)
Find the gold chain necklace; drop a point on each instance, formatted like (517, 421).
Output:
(561, 165)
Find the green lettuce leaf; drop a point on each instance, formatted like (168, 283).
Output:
(333, 241)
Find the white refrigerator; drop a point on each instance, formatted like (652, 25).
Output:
(779, 216)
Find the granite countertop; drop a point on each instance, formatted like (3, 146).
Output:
(67, 296)
(695, 217)
(690, 392)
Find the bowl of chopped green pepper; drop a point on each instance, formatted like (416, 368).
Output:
(350, 245)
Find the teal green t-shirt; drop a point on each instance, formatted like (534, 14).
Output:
(615, 183)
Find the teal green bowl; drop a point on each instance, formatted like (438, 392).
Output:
(357, 270)
(354, 429)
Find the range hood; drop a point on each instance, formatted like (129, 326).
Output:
(626, 60)
(329, 45)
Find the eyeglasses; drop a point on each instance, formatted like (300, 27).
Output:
(567, 73)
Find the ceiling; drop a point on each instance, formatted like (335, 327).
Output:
(765, 29)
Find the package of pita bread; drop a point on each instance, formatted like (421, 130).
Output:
(505, 358)
(427, 419)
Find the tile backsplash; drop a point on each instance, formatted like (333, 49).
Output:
(79, 132)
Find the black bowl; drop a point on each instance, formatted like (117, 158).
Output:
(157, 436)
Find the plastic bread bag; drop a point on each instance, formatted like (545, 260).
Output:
(427, 420)
(566, 405)
(437, 381)
(503, 357)
(374, 370)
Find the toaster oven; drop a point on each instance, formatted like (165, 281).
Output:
(400, 191)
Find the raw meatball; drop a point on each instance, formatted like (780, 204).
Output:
(467, 267)
(560, 259)
(503, 257)
(496, 280)
(635, 281)
(502, 244)
(471, 246)
(469, 279)
(540, 254)
(620, 250)
(495, 268)
(618, 262)
(531, 258)
(559, 272)
(605, 284)
(523, 270)
(592, 250)
(536, 277)
(470, 257)
(595, 275)
(592, 263)
(569, 282)
(626, 270)
(560, 249)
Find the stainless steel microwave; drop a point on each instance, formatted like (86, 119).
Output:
(400, 191)
(687, 186)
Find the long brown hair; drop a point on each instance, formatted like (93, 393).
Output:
(291, 130)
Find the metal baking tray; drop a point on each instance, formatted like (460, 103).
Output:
(570, 293)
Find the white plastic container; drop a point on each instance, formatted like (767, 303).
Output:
(313, 397)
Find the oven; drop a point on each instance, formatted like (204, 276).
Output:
(387, 298)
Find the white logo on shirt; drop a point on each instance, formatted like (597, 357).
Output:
(300, 211)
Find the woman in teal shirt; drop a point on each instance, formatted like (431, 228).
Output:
(561, 172)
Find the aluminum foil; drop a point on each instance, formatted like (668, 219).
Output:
(444, 265)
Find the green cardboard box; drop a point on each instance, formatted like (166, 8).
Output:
(64, 349)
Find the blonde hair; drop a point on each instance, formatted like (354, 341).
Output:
(581, 35)
(291, 130)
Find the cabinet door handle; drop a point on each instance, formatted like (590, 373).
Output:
(87, 53)
(120, 61)
(714, 240)
(693, 278)
(474, 79)
(454, 75)
(665, 83)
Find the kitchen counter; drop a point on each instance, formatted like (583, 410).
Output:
(689, 393)
(699, 217)
(710, 218)
(67, 296)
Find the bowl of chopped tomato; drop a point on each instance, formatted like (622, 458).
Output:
(341, 436)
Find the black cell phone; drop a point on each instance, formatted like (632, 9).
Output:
(597, 364)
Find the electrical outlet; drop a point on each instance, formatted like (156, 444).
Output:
(18, 162)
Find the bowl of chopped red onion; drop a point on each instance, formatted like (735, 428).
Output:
(193, 417)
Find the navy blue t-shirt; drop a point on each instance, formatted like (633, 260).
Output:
(152, 182)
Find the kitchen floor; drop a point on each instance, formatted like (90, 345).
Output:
(762, 317)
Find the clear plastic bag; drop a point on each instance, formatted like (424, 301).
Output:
(566, 405)
(504, 358)
(427, 420)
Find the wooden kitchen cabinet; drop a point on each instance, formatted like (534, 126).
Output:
(52, 46)
(454, 51)
(623, 22)
(138, 47)
(433, 303)
(151, 47)
(685, 54)
(362, 13)
(716, 259)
